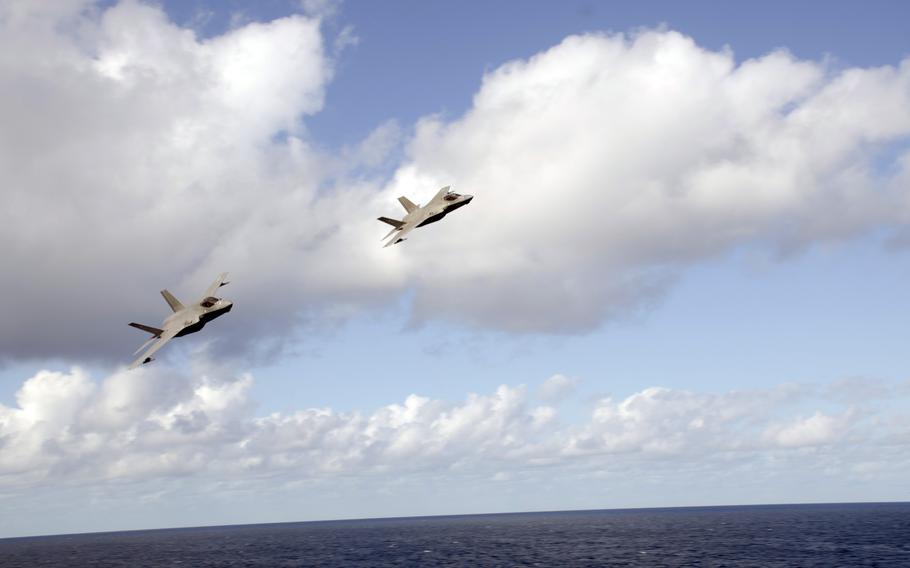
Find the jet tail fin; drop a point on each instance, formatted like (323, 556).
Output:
(173, 302)
(147, 328)
(407, 204)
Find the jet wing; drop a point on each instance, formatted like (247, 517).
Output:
(158, 344)
(440, 194)
(399, 235)
(218, 283)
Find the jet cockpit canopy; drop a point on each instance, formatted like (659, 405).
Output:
(209, 302)
(452, 196)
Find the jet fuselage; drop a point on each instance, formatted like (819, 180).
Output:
(448, 208)
(444, 202)
(184, 320)
(195, 318)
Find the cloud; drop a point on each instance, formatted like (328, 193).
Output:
(160, 447)
(606, 164)
(557, 387)
(136, 156)
(158, 424)
(816, 429)
(320, 8)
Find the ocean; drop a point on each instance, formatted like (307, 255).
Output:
(833, 535)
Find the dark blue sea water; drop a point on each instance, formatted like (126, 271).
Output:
(770, 535)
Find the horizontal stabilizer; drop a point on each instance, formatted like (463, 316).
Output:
(153, 345)
(393, 222)
(147, 328)
(173, 302)
(407, 204)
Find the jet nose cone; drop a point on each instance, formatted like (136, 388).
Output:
(468, 198)
(228, 306)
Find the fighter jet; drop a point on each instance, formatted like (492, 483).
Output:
(184, 321)
(444, 202)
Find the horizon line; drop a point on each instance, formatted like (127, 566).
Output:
(455, 515)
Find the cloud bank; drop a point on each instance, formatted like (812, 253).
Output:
(606, 164)
(137, 156)
(155, 424)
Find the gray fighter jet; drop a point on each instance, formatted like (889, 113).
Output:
(444, 202)
(184, 321)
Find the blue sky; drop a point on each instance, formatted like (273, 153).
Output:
(745, 318)
(417, 58)
(564, 338)
(741, 322)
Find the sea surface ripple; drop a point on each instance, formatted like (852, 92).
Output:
(848, 535)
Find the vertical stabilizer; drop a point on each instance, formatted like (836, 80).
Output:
(406, 203)
(173, 302)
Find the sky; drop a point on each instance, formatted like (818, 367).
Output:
(681, 280)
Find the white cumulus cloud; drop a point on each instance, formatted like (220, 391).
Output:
(136, 155)
(817, 429)
(557, 387)
(70, 442)
(158, 423)
(606, 164)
